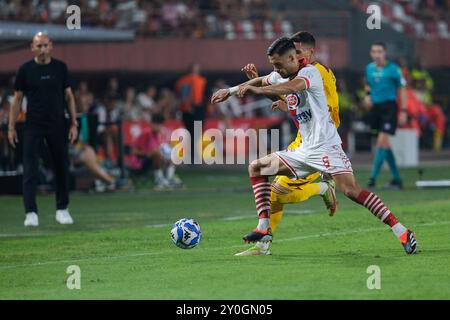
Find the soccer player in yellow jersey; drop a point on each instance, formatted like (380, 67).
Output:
(283, 189)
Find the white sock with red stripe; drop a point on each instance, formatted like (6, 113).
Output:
(377, 207)
(261, 192)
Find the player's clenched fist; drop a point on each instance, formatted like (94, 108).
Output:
(279, 105)
(250, 71)
(220, 95)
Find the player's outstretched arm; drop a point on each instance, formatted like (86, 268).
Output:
(293, 86)
(223, 94)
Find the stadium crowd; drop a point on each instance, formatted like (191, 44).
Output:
(213, 18)
(421, 18)
(187, 18)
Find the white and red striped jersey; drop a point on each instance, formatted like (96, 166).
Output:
(310, 108)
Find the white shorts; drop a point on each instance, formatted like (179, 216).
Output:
(326, 159)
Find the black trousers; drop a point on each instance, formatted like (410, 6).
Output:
(56, 139)
(197, 114)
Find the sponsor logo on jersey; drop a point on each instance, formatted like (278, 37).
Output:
(296, 100)
(304, 116)
(292, 101)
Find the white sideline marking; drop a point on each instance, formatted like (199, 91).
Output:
(300, 211)
(161, 225)
(296, 212)
(15, 235)
(327, 234)
(236, 218)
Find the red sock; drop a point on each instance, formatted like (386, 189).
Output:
(376, 206)
(261, 192)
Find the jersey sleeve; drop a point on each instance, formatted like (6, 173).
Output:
(20, 83)
(272, 78)
(312, 77)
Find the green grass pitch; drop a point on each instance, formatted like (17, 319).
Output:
(121, 242)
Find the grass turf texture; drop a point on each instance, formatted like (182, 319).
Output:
(122, 244)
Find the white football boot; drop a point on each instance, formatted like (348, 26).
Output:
(31, 220)
(63, 217)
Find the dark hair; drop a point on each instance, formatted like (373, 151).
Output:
(304, 37)
(280, 46)
(382, 44)
(158, 118)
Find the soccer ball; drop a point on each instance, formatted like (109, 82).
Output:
(186, 233)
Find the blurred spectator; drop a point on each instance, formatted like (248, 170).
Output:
(347, 103)
(417, 117)
(347, 111)
(56, 9)
(167, 104)
(83, 154)
(84, 98)
(112, 88)
(422, 83)
(108, 114)
(170, 13)
(403, 64)
(131, 15)
(4, 107)
(6, 156)
(191, 92)
(151, 150)
(146, 102)
(179, 18)
(437, 120)
(131, 110)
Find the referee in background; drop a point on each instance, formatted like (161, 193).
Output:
(384, 81)
(45, 82)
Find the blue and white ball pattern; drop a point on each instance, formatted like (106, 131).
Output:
(186, 233)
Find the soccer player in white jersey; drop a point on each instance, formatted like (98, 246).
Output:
(321, 148)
